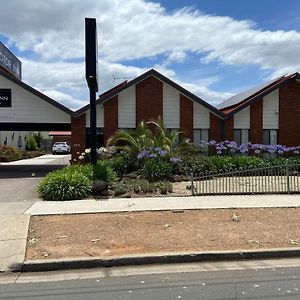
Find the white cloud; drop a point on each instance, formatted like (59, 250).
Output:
(134, 29)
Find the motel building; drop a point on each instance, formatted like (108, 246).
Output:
(268, 114)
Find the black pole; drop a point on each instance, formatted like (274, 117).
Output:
(93, 126)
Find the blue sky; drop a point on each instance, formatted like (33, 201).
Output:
(215, 48)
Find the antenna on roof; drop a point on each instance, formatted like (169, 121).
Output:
(122, 78)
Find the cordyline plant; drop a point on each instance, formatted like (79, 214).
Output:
(134, 141)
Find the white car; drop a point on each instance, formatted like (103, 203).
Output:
(60, 147)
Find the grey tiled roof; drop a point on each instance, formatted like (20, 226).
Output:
(246, 94)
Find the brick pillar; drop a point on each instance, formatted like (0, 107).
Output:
(256, 122)
(228, 129)
(78, 135)
(215, 127)
(149, 100)
(186, 117)
(110, 117)
(289, 114)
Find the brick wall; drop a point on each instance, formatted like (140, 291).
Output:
(149, 99)
(256, 122)
(110, 117)
(228, 129)
(215, 128)
(78, 135)
(289, 114)
(186, 117)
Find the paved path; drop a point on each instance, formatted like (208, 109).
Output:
(13, 233)
(162, 203)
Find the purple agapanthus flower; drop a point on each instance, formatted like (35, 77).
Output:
(175, 160)
(143, 154)
(162, 152)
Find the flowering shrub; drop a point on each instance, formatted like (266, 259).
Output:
(8, 153)
(231, 148)
(157, 164)
(102, 153)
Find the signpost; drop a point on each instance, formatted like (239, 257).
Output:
(9, 62)
(91, 75)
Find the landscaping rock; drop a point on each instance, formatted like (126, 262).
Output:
(99, 186)
(185, 178)
(127, 195)
(132, 175)
(107, 192)
(176, 178)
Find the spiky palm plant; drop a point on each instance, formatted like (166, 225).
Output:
(133, 141)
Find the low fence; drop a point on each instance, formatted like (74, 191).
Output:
(284, 179)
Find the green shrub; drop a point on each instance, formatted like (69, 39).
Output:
(39, 139)
(165, 187)
(120, 188)
(31, 144)
(119, 164)
(193, 166)
(69, 183)
(103, 171)
(157, 169)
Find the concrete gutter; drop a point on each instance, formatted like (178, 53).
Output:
(156, 258)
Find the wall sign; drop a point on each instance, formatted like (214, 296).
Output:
(9, 62)
(5, 97)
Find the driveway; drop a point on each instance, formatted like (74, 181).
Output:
(19, 179)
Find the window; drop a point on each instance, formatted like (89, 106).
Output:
(201, 135)
(270, 136)
(241, 136)
(173, 131)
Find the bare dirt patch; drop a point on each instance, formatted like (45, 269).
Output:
(110, 234)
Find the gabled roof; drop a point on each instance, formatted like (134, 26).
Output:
(121, 87)
(238, 102)
(36, 92)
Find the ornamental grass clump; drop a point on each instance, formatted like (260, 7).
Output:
(70, 183)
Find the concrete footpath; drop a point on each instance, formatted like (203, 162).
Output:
(13, 233)
(15, 220)
(162, 203)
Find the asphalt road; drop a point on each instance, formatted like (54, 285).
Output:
(270, 283)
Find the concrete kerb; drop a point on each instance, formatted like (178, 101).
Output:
(158, 258)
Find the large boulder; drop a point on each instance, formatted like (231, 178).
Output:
(107, 193)
(99, 186)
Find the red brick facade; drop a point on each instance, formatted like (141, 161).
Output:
(149, 105)
(289, 114)
(215, 127)
(256, 122)
(149, 99)
(110, 117)
(228, 129)
(78, 135)
(186, 117)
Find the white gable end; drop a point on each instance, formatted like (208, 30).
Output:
(29, 108)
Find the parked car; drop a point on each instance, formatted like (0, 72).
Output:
(60, 147)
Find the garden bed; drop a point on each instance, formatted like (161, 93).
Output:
(108, 234)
